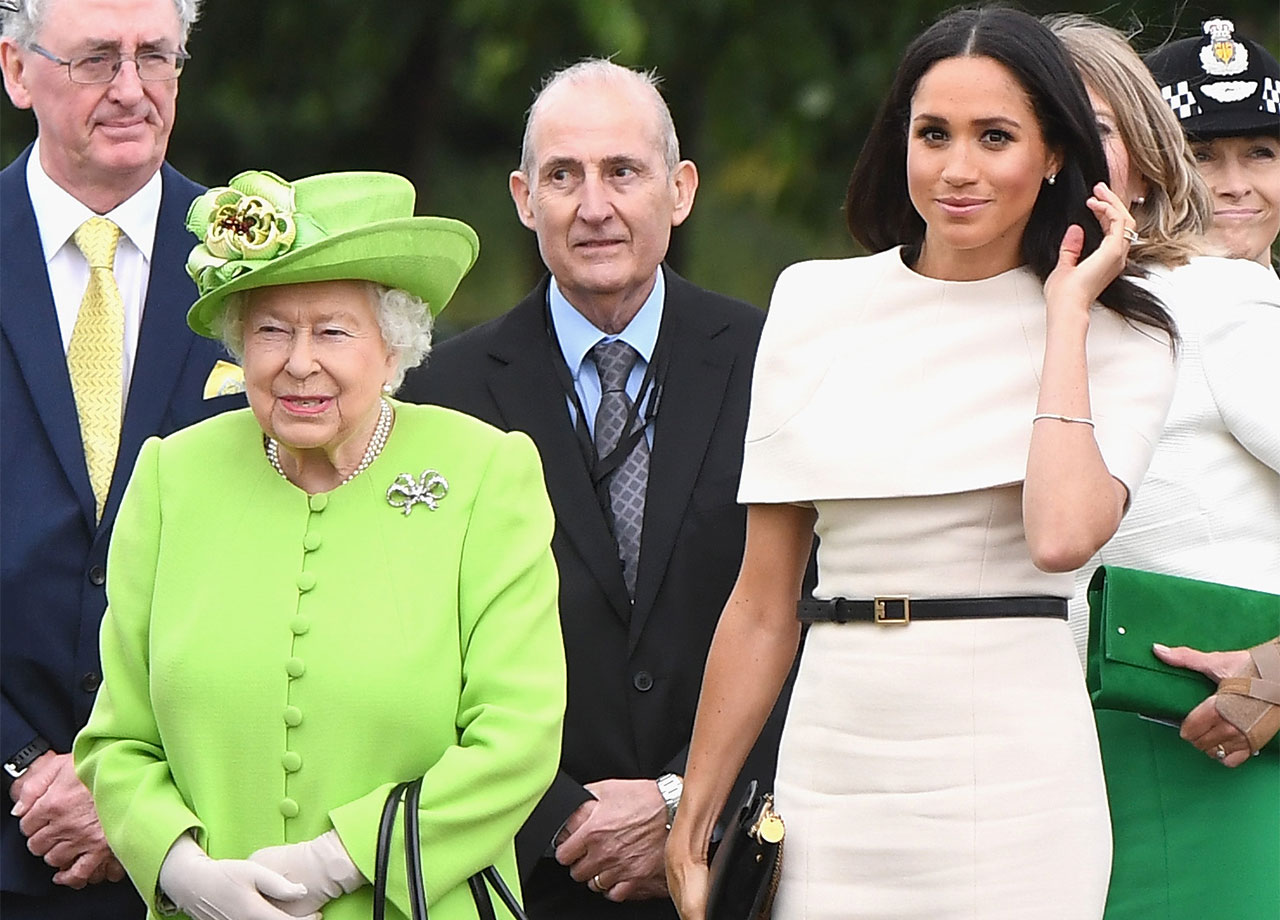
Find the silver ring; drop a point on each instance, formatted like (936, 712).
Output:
(1220, 752)
(1130, 234)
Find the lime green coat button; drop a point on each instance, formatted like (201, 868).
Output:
(306, 581)
(311, 542)
(318, 502)
(291, 761)
(289, 808)
(292, 716)
(300, 625)
(295, 667)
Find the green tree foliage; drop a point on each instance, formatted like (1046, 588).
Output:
(771, 100)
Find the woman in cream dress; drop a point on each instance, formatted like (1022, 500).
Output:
(961, 423)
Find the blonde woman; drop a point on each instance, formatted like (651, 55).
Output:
(1209, 508)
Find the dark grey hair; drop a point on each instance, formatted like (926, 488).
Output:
(601, 71)
(23, 18)
(404, 320)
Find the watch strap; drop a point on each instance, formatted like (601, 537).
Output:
(16, 765)
(671, 788)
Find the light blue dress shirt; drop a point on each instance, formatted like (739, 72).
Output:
(577, 336)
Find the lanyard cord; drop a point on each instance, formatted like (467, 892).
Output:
(650, 386)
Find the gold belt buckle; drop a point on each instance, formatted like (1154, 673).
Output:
(882, 619)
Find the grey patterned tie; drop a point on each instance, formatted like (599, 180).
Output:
(627, 483)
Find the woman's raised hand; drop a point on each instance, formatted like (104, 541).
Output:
(1076, 284)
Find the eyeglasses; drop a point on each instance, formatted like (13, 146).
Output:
(103, 67)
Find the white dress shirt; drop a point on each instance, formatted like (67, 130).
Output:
(59, 215)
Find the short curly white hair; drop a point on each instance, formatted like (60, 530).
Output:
(404, 320)
(23, 23)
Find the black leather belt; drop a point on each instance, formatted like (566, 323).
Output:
(900, 609)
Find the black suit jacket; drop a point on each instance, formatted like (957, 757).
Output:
(53, 554)
(634, 671)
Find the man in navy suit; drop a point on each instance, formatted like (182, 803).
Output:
(102, 78)
(602, 185)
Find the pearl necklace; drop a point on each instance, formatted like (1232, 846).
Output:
(376, 442)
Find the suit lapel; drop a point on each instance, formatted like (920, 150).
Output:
(30, 323)
(529, 398)
(693, 393)
(163, 339)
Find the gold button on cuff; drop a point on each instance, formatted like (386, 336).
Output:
(318, 502)
(306, 581)
(289, 808)
(295, 667)
(292, 716)
(291, 761)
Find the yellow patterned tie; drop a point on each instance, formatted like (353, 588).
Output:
(95, 357)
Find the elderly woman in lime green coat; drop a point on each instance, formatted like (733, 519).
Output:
(328, 593)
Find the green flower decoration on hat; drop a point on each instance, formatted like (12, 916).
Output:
(261, 230)
(252, 220)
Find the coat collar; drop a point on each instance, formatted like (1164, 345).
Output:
(30, 324)
(692, 397)
(164, 340)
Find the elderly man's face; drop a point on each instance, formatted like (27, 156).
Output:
(601, 200)
(105, 134)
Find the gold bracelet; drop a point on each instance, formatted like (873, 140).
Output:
(1063, 418)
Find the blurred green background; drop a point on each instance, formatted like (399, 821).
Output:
(772, 101)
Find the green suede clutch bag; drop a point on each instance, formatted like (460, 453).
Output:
(1129, 610)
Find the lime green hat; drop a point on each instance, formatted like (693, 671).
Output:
(261, 230)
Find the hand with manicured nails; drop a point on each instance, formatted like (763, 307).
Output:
(1204, 727)
(225, 889)
(322, 865)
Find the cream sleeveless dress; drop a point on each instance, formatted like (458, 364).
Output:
(939, 769)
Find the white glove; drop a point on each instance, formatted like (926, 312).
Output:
(224, 889)
(322, 865)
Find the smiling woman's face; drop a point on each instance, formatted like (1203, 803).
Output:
(1244, 175)
(314, 365)
(976, 158)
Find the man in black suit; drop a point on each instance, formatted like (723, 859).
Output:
(649, 535)
(102, 78)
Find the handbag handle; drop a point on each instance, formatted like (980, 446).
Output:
(413, 852)
(411, 792)
(382, 855)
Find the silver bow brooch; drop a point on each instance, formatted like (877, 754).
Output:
(428, 489)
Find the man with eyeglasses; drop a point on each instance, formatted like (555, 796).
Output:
(95, 357)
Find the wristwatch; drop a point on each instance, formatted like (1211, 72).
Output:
(671, 787)
(16, 765)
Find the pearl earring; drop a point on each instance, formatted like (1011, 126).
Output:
(1051, 179)
(1139, 201)
(388, 389)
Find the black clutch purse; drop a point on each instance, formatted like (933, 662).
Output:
(478, 883)
(748, 862)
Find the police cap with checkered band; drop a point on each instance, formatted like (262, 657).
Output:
(1221, 84)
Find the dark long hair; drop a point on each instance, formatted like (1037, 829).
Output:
(879, 212)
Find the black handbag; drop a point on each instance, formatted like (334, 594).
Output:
(748, 862)
(479, 883)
